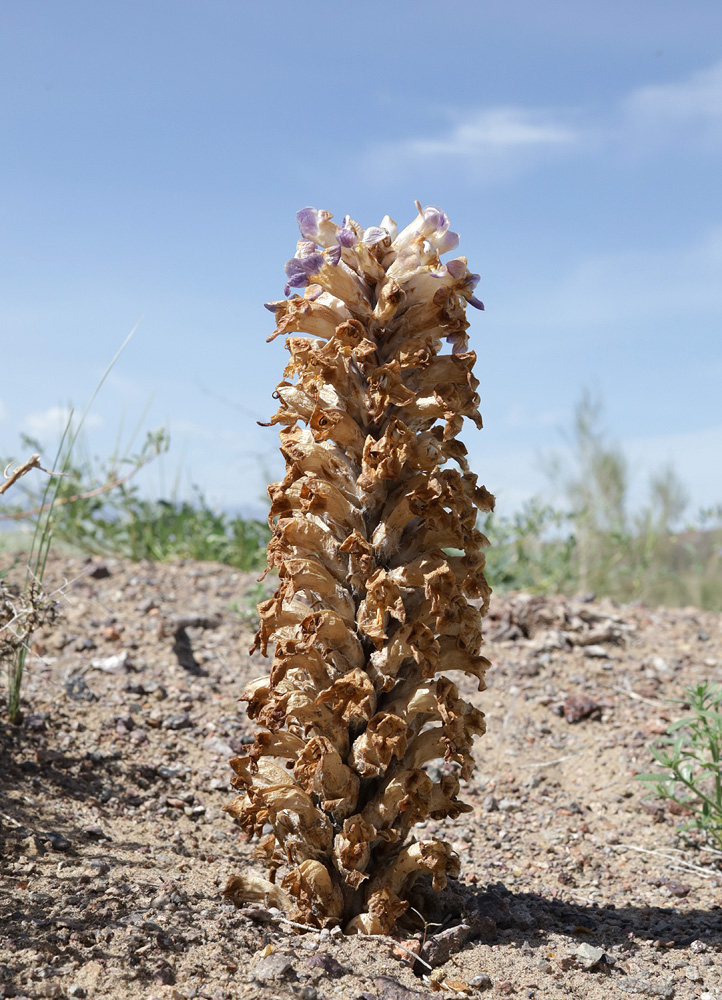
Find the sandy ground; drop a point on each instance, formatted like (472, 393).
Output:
(115, 848)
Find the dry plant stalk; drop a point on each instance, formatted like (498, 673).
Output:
(21, 470)
(371, 611)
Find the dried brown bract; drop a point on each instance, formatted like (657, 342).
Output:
(378, 554)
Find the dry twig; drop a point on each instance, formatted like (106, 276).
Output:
(32, 463)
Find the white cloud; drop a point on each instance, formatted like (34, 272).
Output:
(496, 140)
(42, 423)
(696, 99)
(494, 131)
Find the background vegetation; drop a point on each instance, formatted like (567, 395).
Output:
(584, 537)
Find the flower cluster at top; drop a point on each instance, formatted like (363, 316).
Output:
(326, 246)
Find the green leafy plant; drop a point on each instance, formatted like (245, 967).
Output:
(690, 756)
(99, 508)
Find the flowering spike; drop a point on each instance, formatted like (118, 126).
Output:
(371, 611)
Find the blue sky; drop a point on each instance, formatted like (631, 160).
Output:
(154, 155)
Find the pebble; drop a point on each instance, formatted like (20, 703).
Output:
(327, 963)
(589, 955)
(273, 967)
(489, 803)
(214, 744)
(647, 988)
(169, 772)
(57, 841)
(77, 690)
(481, 982)
(113, 664)
(181, 720)
(508, 805)
(596, 652)
(99, 571)
(693, 974)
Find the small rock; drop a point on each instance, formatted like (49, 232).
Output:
(407, 951)
(440, 947)
(169, 772)
(481, 982)
(665, 991)
(77, 690)
(702, 635)
(679, 889)
(113, 664)
(521, 916)
(57, 841)
(322, 960)
(124, 723)
(76, 990)
(392, 989)
(543, 964)
(181, 720)
(165, 973)
(589, 956)
(508, 805)
(578, 707)
(273, 967)
(99, 571)
(489, 803)
(95, 832)
(698, 947)
(216, 745)
(693, 974)
(35, 722)
(155, 718)
(596, 652)
(101, 867)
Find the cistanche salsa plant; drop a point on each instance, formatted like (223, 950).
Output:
(378, 557)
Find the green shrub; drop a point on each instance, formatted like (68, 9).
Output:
(690, 758)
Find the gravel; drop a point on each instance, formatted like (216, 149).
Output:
(115, 848)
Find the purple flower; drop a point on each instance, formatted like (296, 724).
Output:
(456, 268)
(435, 218)
(346, 236)
(446, 241)
(374, 234)
(315, 224)
(300, 269)
(333, 255)
(307, 220)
